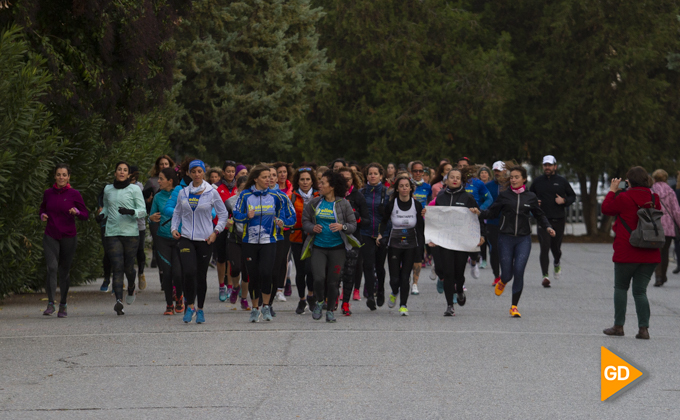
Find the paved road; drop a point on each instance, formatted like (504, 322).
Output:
(480, 364)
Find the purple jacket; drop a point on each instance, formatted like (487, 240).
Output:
(56, 204)
(669, 206)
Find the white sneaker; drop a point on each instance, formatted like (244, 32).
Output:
(433, 275)
(474, 271)
(280, 297)
(414, 290)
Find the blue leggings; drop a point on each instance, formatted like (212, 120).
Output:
(514, 253)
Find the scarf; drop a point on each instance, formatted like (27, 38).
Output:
(519, 190)
(119, 185)
(306, 197)
(349, 191)
(418, 183)
(230, 185)
(62, 189)
(197, 190)
(450, 191)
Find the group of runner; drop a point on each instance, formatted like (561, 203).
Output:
(335, 225)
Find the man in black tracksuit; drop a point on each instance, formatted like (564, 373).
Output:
(554, 196)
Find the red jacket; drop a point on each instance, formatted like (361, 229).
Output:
(225, 194)
(626, 205)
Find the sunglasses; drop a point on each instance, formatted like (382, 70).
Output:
(305, 170)
(417, 171)
(229, 163)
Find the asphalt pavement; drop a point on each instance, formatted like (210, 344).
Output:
(480, 364)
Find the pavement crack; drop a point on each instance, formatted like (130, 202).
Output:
(69, 363)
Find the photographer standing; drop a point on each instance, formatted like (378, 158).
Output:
(554, 195)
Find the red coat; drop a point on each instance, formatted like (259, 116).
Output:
(225, 194)
(626, 205)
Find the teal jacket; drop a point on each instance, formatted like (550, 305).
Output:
(159, 201)
(129, 197)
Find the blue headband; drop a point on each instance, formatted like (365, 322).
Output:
(196, 164)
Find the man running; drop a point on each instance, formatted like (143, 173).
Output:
(554, 195)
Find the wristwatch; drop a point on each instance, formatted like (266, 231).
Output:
(344, 227)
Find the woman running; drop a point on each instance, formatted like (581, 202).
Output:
(449, 262)
(407, 227)
(515, 205)
(123, 205)
(195, 204)
(141, 226)
(374, 252)
(151, 188)
(167, 255)
(484, 175)
(261, 211)
(303, 191)
(60, 206)
(283, 175)
(329, 221)
(351, 273)
(237, 263)
(227, 188)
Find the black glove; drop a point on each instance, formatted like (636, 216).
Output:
(100, 218)
(123, 210)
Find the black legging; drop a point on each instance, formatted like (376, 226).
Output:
(168, 260)
(453, 270)
(106, 261)
(492, 232)
(195, 257)
(122, 250)
(141, 255)
(401, 264)
(237, 262)
(259, 264)
(349, 272)
(280, 264)
(549, 244)
(303, 270)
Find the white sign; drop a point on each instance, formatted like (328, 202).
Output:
(455, 228)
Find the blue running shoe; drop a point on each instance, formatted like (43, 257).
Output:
(188, 314)
(223, 294)
(266, 313)
(200, 316)
(440, 286)
(255, 315)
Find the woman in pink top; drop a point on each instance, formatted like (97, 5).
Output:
(670, 219)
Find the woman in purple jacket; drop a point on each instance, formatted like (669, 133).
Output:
(670, 219)
(60, 206)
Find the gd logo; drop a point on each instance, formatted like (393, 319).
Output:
(616, 374)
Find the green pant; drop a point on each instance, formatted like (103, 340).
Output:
(641, 274)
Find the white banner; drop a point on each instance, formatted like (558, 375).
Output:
(455, 228)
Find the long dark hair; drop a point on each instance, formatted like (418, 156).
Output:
(304, 170)
(169, 173)
(397, 180)
(157, 166)
(254, 173)
(439, 176)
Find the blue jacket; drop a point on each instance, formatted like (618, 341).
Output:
(494, 190)
(268, 206)
(423, 193)
(159, 201)
(376, 200)
(478, 190)
(288, 209)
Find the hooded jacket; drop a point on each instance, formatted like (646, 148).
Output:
(268, 206)
(197, 224)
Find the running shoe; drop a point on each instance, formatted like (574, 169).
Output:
(244, 305)
(223, 293)
(50, 309)
(546, 281)
(179, 304)
(302, 305)
(266, 313)
(514, 312)
(370, 302)
(461, 298)
(130, 298)
(449, 311)
(288, 289)
(433, 275)
(118, 307)
(213, 262)
(229, 290)
(403, 311)
(324, 306)
(234, 294)
(311, 303)
(365, 291)
(392, 302)
(474, 271)
(316, 313)
(356, 295)
(255, 315)
(330, 317)
(500, 286)
(62, 312)
(483, 265)
(423, 264)
(380, 299)
(414, 289)
(345, 309)
(169, 310)
(271, 311)
(440, 286)
(496, 280)
(200, 316)
(279, 296)
(142, 281)
(558, 271)
(188, 314)
(106, 287)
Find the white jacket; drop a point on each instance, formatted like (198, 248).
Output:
(197, 225)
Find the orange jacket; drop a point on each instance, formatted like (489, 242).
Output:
(298, 204)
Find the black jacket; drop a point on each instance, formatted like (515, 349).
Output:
(459, 199)
(358, 202)
(547, 189)
(514, 210)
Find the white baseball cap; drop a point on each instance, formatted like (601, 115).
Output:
(498, 166)
(549, 159)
